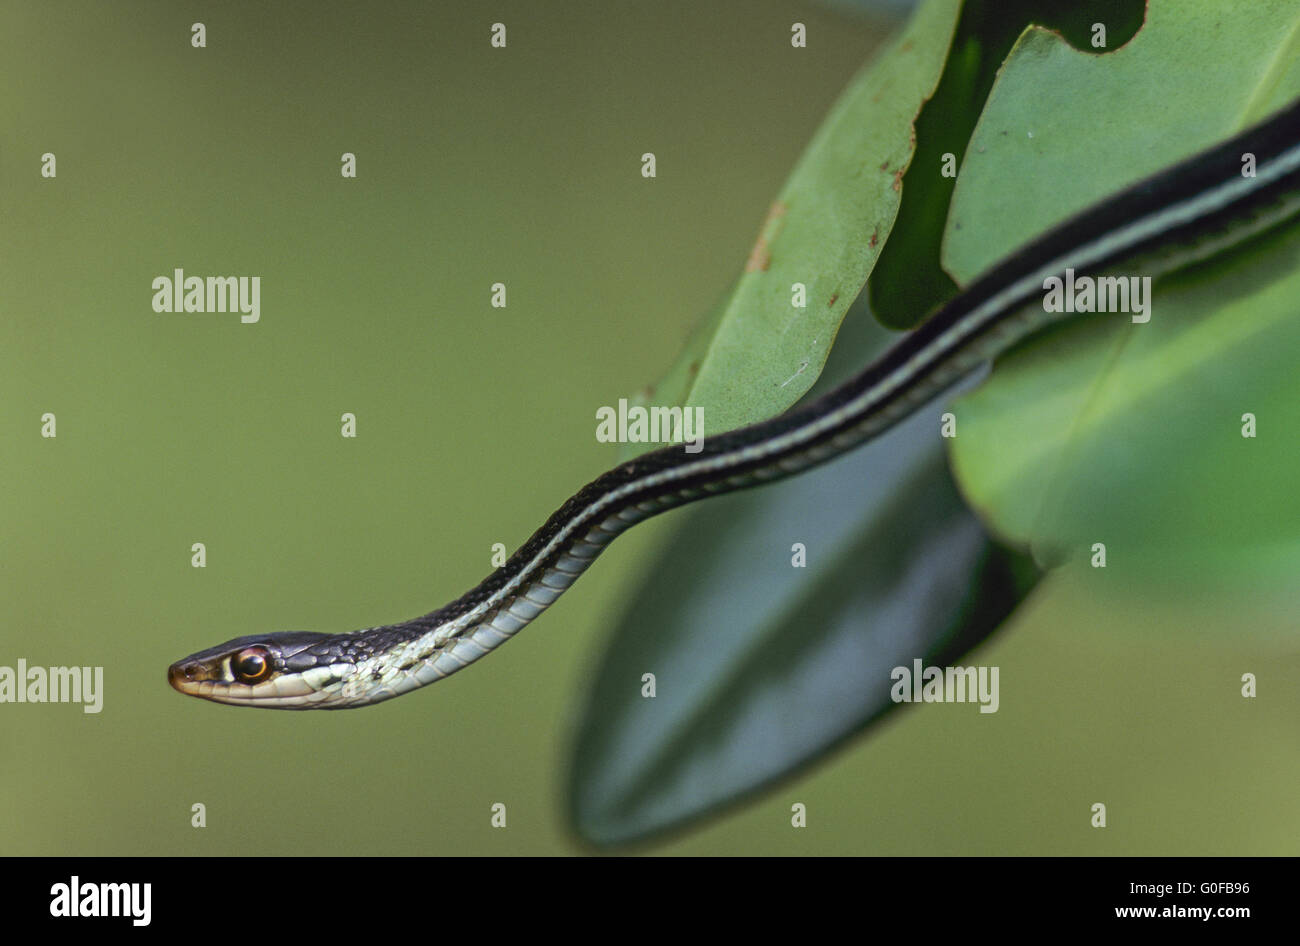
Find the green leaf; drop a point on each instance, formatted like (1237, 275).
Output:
(760, 354)
(762, 667)
(1062, 128)
(1131, 435)
(909, 282)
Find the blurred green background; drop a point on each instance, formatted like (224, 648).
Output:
(475, 166)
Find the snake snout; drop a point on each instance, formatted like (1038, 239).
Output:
(184, 674)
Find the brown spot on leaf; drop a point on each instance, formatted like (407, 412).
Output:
(834, 296)
(760, 257)
(875, 237)
(898, 179)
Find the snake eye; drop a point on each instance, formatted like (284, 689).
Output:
(251, 664)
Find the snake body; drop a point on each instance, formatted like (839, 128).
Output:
(1188, 212)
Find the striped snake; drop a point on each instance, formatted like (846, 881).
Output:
(1187, 212)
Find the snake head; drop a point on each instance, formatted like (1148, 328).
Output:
(286, 670)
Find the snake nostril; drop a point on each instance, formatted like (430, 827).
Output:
(182, 673)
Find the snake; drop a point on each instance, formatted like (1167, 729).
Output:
(1188, 212)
